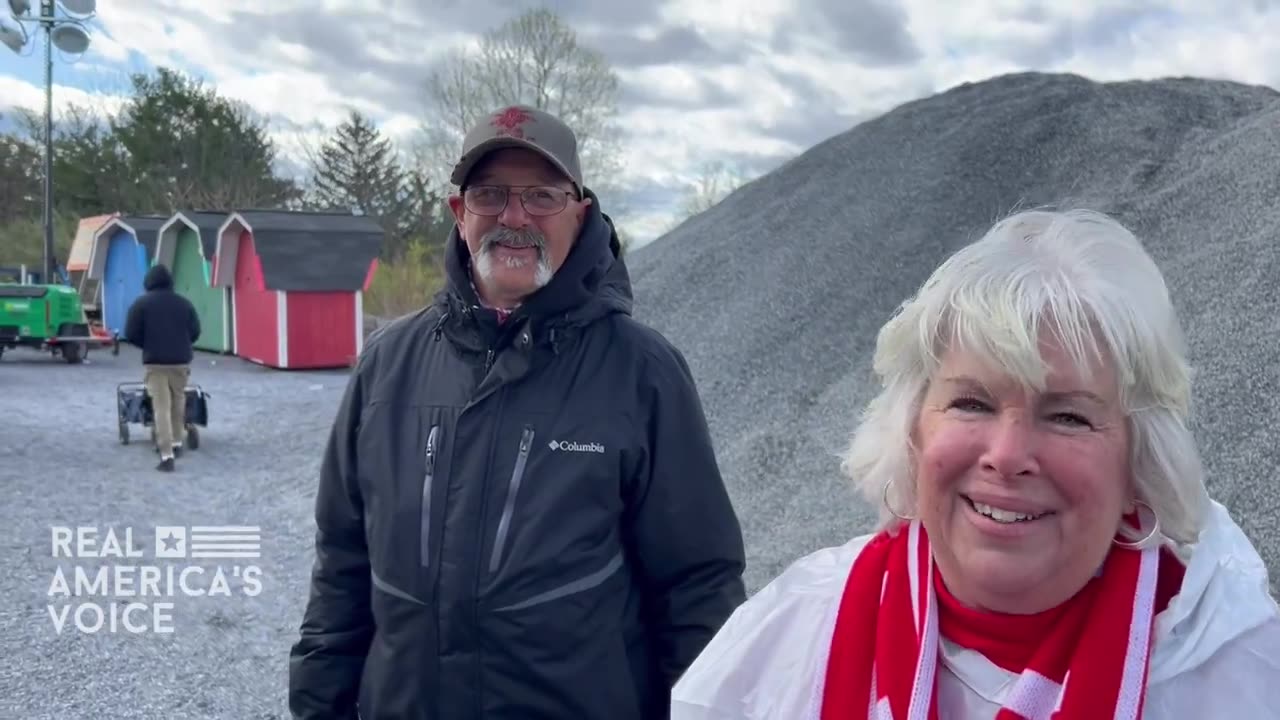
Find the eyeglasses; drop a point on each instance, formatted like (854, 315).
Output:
(539, 200)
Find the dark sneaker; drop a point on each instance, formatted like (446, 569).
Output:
(166, 465)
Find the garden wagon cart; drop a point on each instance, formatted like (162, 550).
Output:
(133, 405)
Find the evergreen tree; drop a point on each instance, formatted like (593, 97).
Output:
(358, 170)
(188, 147)
(21, 175)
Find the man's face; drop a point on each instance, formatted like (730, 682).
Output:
(516, 250)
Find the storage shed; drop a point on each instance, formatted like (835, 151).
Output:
(186, 245)
(82, 244)
(297, 281)
(120, 256)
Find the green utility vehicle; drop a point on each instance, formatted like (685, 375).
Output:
(49, 317)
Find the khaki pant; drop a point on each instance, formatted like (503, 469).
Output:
(167, 386)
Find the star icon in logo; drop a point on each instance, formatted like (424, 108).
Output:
(171, 541)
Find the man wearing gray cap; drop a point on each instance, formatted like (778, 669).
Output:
(520, 513)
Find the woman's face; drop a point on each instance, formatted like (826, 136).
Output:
(1021, 492)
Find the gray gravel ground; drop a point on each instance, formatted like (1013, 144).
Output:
(776, 294)
(226, 656)
(775, 297)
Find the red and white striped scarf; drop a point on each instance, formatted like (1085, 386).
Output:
(884, 651)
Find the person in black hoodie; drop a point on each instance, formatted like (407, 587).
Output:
(519, 512)
(164, 325)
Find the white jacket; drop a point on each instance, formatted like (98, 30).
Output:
(1216, 652)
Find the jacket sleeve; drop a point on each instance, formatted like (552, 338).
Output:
(326, 663)
(133, 323)
(766, 660)
(685, 535)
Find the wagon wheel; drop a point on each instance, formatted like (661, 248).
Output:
(193, 437)
(124, 433)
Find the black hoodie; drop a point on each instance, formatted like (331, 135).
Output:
(522, 520)
(161, 322)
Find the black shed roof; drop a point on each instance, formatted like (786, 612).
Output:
(207, 223)
(313, 250)
(145, 228)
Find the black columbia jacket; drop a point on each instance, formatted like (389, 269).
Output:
(522, 520)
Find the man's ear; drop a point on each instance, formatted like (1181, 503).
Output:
(459, 212)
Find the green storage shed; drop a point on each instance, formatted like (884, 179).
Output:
(186, 245)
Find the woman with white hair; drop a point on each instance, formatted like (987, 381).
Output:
(1047, 547)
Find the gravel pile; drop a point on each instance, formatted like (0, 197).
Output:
(62, 464)
(776, 294)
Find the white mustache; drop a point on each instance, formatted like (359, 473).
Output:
(513, 238)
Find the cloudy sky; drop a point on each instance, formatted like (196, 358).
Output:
(746, 82)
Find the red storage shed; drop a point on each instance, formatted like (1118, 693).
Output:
(297, 281)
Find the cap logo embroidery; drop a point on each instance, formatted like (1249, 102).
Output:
(509, 121)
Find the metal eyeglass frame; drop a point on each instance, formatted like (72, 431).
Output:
(523, 199)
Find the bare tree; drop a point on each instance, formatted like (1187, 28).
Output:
(534, 59)
(714, 182)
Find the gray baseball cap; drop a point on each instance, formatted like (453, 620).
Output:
(521, 126)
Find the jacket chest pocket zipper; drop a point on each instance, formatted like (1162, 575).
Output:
(428, 477)
(508, 507)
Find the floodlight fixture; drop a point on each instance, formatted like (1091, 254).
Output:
(14, 38)
(70, 38)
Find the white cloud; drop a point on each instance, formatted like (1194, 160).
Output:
(774, 91)
(16, 93)
(667, 149)
(728, 17)
(298, 96)
(105, 47)
(668, 82)
(401, 128)
(644, 227)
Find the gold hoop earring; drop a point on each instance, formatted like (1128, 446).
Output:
(1155, 530)
(885, 497)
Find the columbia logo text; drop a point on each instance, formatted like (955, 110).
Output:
(562, 446)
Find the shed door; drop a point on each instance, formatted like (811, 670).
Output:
(126, 267)
(256, 332)
(191, 279)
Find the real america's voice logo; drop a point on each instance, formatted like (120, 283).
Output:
(108, 586)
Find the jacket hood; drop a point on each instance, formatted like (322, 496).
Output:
(592, 282)
(158, 278)
(1224, 595)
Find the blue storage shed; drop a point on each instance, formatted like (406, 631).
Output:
(122, 252)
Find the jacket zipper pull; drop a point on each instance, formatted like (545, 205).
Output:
(428, 478)
(488, 361)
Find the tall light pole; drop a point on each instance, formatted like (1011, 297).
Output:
(68, 33)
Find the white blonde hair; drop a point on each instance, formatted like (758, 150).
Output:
(1082, 276)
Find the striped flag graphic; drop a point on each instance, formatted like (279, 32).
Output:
(224, 541)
